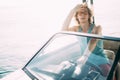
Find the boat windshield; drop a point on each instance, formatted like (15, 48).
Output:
(71, 57)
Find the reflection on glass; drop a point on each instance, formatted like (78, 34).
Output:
(72, 57)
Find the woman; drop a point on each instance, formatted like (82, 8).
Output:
(84, 24)
(83, 17)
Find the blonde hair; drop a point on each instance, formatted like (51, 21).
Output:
(89, 13)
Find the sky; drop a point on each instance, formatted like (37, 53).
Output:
(33, 13)
(24, 24)
(49, 15)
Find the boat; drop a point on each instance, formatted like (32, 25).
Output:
(65, 56)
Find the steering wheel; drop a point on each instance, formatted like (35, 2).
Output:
(97, 68)
(89, 71)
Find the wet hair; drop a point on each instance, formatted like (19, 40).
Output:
(89, 13)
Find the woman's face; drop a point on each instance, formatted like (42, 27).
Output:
(83, 15)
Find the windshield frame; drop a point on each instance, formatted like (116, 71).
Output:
(76, 34)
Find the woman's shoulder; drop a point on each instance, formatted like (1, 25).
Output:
(74, 28)
(97, 29)
(98, 26)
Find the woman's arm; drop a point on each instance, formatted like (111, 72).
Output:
(93, 42)
(69, 18)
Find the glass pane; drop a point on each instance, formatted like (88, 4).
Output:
(69, 57)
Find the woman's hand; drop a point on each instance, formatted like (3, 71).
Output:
(77, 7)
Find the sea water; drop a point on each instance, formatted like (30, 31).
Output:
(17, 46)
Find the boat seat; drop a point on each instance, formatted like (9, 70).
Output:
(110, 48)
(111, 55)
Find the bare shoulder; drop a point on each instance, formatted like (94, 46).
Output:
(99, 26)
(73, 28)
(97, 29)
